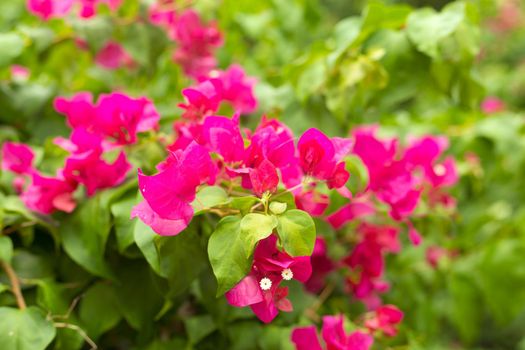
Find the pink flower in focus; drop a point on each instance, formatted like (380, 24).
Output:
(201, 101)
(492, 105)
(113, 56)
(223, 136)
(46, 9)
(260, 289)
(321, 157)
(334, 336)
(17, 157)
(264, 178)
(168, 194)
(385, 319)
(234, 86)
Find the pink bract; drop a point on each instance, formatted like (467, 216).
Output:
(17, 157)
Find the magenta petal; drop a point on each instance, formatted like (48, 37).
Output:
(266, 310)
(316, 153)
(305, 338)
(359, 341)
(301, 268)
(333, 332)
(164, 227)
(17, 158)
(222, 135)
(246, 292)
(349, 212)
(264, 178)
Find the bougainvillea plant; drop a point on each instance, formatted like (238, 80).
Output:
(213, 212)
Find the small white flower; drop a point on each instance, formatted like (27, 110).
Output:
(287, 274)
(265, 283)
(440, 170)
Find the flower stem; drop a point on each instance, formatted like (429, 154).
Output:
(15, 285)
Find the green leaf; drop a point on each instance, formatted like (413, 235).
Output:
(98, 310)
(124, 226)
(199, 327)
(277, 207)
(255, 227)
(244, 204)
(145, 240)
(25, 329)
(12, 45)
(6, 249)
(426, 28)
(296, 230)
(84, 235)
(227, 255)
(209, 197)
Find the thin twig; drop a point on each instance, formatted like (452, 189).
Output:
(12, 229)
(15, 285)
(311, 312)
(79, 330)
(69, 310)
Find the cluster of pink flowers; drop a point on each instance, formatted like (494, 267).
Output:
(98, 131)
(196, 41)
(47, 9)
(384, 320)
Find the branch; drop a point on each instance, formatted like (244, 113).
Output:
(15, 285)
(79, 330)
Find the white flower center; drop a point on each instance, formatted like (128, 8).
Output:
(265, 283)
(287, 274)
(440, 170)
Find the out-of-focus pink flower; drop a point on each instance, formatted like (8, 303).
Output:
(367, 261)
(170, 192)
(113, 56)
(17, 157)
(322, 265)
(312, 201)
(47, 9)
(385, 319)
(88, 8)
(19, 72)
(492, 105)
(321, 157)
(92, 171)
(357, 208)
(334, 336)
(508, 18)
(115, 116)
(47, 194)
(234, 86)
(260, 289)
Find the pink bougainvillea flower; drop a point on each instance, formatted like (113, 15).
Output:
(223, 136)
(367, 261)
(357, 208)
(163, 13)
(122, 117)
(19, 72)
(47, 194)
(434, 254)
(334, 336)
(201, 101)
(321, 157)
(170, 192)
(116, 116)
(264, 178)
(79, 110)
(385, 319)
(312, 201)
(273, 141)
(390, 179)
(260, 289)
(47, 9)
(113, 56)
(17, 157)
(322, 265)
(90, 170)
(234, 86)
(88, 8)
